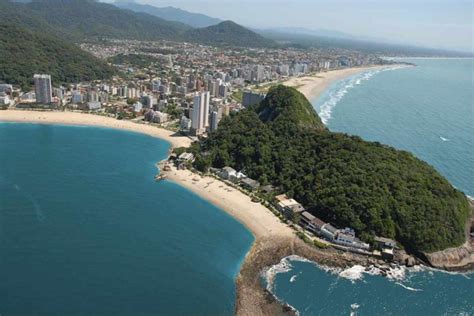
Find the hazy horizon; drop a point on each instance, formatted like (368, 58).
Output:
(442, 24)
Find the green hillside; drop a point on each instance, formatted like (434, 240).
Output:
(228, 33)
(80, 19)
(25, 52)
(342, 179)
(76, 20)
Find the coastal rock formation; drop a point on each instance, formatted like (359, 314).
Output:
(254, 299)
(460, 258)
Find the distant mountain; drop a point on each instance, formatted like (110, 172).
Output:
(170, 14)
(314, 32)
(304, 38)
(228, 33)
(78, 19)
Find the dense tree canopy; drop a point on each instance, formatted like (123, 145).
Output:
(342, 179)
(24, 53)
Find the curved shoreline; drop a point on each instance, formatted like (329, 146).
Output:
(312, 86)
(85, 119)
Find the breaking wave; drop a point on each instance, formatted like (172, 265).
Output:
(325, 110)
(399, 275)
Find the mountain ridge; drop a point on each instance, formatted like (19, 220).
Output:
(170, 13)
(228, 33)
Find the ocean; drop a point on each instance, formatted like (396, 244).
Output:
(427, 110)
(85, 229)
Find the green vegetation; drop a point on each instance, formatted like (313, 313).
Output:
(25, 52)
(320, 244)
(79, 19)
(303, 237)
(342, 179)
(228, 33)
(135, 60)
(173, 111)
(76, 20)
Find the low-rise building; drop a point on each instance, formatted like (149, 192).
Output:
(185, 157)
(385, 246)
(329, 232)
(289, 207)
(311, 223)
(228, 173)
(250, 184)
(92, 106)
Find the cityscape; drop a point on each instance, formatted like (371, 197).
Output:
(210, 157)
(181, 86)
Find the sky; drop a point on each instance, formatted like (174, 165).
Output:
(446, 24)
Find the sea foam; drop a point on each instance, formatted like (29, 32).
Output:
(325, 110)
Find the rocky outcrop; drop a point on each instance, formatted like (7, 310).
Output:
(459, 258)
(453, 259)
(253, 299)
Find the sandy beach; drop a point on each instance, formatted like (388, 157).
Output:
(256, 217)
(75, 118)
(313, 86)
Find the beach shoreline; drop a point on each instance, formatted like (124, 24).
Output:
(85, 119)
(312, 86)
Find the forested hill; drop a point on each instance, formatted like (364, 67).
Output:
(80, 19)
(342, 179)
(228, 33)
(76, 20)
(24, 52)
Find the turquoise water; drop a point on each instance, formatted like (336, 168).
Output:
(84, 229)
(429, 111)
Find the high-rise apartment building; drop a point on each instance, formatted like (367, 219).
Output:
(200, 115)
(43, 90)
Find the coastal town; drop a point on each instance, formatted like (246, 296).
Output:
(187, 89)
(180, 86)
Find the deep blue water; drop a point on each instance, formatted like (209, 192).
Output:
(84, 229)
(429, 111)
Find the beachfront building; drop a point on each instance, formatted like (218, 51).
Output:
(185, 123)
(347, 237)
(229, 173)
(328, 232)
(43, 89)
(156, 117)
(185, 157)
(250, 184)
(384, 246)
(93, 105)
(289, 207)
(200, 113)
(311, 223)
